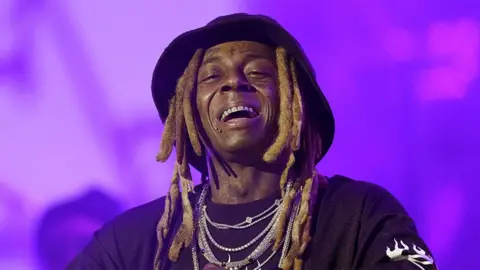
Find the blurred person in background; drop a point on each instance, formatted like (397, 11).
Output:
(240, 103)
(65, 228)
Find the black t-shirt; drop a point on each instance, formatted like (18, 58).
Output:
(356, 225)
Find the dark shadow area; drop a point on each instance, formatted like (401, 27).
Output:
(66, 227)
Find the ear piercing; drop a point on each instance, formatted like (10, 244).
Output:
(217, 129)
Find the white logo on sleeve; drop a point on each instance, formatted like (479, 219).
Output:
(415, 255)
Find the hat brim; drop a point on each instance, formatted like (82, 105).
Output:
(176, 56)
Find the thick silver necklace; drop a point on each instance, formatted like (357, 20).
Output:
(202, 237)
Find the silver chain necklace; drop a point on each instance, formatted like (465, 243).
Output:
(202, 235)
(247, 245)
(249, 221)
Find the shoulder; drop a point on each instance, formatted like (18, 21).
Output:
(130, 238)
(140, 216)
(360, 194)
(142, 220)
(126, 242)
(339, 185)
(134, 222)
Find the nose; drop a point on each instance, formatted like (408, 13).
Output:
(237, 82)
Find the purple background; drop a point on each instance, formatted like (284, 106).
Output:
(402, 78)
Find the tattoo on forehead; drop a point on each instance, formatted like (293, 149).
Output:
(239, 47)
(211, 52)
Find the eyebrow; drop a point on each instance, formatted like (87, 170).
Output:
(256, 56)
(211, 59)
(249, 56)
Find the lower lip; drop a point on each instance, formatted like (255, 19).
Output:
(241, 122)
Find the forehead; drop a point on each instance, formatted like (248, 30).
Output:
(235, 48)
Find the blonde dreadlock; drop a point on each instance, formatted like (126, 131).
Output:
(290, 123)
(180, 122)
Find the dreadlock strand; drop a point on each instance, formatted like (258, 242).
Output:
(180, 114)
(180, 126)
(300, 235)
(309, 195)
(299, 225)
(305, 240)
(184, 168)
(157, 261)
(302, 214)
(298, 264)
(305, 237)
(184, 235)
(185, 173)
(286, 172)
(169, 130)
(174, 193)
(302, 224)
(187, 101)
(166, 220)
(282, 218)
(295, 115)
(297, 108)
(169, 202)
(177, 129)
(285, 117)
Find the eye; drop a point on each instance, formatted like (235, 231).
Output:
(209, 78)
(257, 73)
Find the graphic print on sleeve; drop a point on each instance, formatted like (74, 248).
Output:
(413, 254)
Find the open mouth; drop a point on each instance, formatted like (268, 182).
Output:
(238, 112)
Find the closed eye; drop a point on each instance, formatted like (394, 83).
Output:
(210, 77)
(258, 73)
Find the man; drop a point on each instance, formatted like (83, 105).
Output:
(66, 228)
(240, 103)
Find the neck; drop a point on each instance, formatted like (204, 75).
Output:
(234, 183)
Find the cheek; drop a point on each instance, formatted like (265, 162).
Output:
(267, 87)
(203, 100)
(272, 99)
(202, 114)
(272, 95)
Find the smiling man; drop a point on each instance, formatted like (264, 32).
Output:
(240, 103)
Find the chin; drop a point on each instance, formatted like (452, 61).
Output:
(241, 148)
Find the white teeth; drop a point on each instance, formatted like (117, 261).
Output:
(236, 109)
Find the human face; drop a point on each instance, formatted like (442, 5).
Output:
(232, 76)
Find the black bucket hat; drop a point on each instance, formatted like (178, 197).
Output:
(236, 27)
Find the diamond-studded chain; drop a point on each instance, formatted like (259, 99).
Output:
(249, 221)
(202, 233)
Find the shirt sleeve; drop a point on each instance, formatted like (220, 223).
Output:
(388, 237)
(98, 254)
